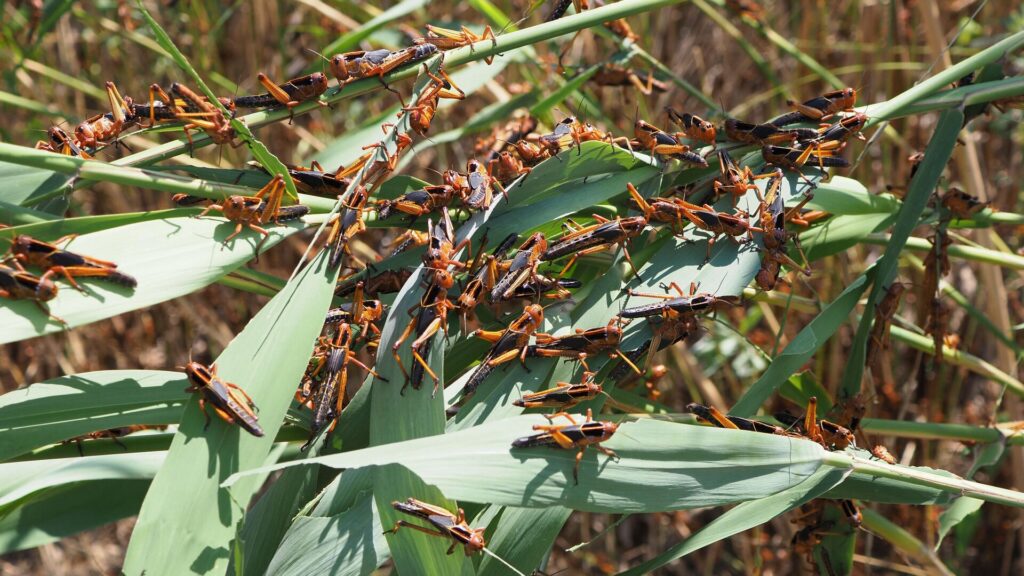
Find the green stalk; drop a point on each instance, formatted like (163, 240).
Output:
(919, 477)
(903, 540)
(87, 171)
(8, 99)
(937, 431)
(991, 218)
(66, 79)
(953, 356)
(1011, 261)
(453, 58)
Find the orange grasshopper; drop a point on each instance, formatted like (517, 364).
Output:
(735, 181)
(830, 435)
(694, 127)
(17, 284)
(510, 343)
(563, 396)
(352, 66)
(432, 317)
(877, 358)
(822, 155)
(209, 118)
(103, 129)
(819, 108)
(711, 415)
(585, 240)
(253, 212)
(774, 216)
(615, 75)
(346, 225)
(521, 269)
(421, 113)
(883, 454)
(446, 39)
(229, 402)
(583, 343)
(661, 143)
(483, 272)
(765, 134)
(27, 251)
(290, 94)
(445, 524)
(60, 142)
(568, 437)
(961, 204)
(359, 312)
(328, 373)
(678, 315)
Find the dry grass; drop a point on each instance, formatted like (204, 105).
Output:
(878, 47)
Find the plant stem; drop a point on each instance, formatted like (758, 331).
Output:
(950, 484)
(936, 431)
(969, 361)
(87, 171)
(1005, 260)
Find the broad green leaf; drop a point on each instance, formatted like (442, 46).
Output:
(23, 481)
(349, 543)
(55, 229)
(169, 258)
(746, 516)
(523, 538)
(856, 213)
(567, 200)
(71, 406)
(60, 512)
(267, 359)
(268, 520)
(840, 233)
(952, 516)
(848, 197)
(682, 466)
(23, 185)
(398, 185)
(338, 533)
(13, 215)
(355, 530)
(838, 543)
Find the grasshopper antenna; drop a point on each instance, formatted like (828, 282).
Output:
(322, 57)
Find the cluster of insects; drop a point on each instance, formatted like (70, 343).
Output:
(459, 279)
